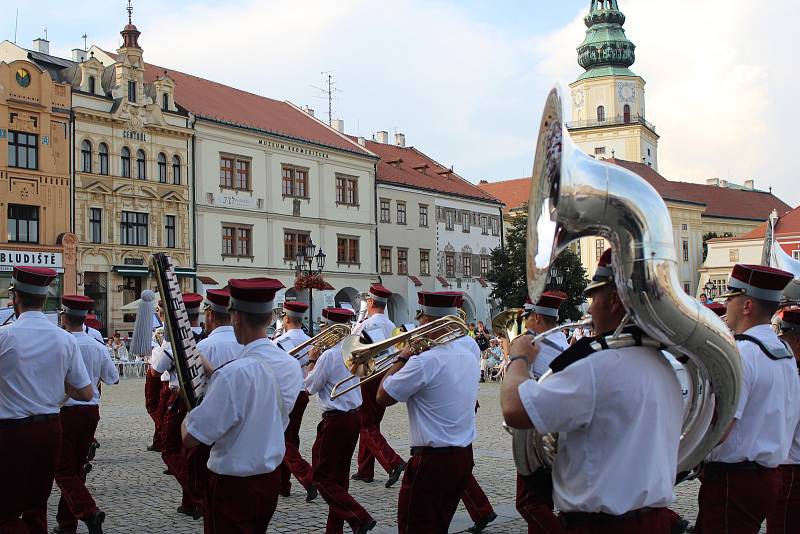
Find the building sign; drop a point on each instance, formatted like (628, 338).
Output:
(10, 258)
(292, 148)
(234, 201)
(137, 136)
(134, 261)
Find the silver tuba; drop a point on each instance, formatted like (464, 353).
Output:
(573, 195)
(775, 256)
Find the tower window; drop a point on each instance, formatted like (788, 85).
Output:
(131, 91)
(125, 162)
(601, 114)
(627, 113)
(103, 153)
(165, 102)
(91, 84)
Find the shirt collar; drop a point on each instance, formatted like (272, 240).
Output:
(31, 315)
(253, 345)
(759, 329)
(221, 329)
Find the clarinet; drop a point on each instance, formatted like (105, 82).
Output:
(186, 357)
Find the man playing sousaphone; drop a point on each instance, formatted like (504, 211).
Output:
(618, 414)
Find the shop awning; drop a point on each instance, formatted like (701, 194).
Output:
(131, 270)
(185, 271)
(207, 280)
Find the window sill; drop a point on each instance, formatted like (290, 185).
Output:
(388, 273)
(402, 224)
(24, 242)
(295, 196)
(348, 264)
(231, 188)
(347, 205)
(386, 222)
(464, 231)
(237, 258)
(449, 229)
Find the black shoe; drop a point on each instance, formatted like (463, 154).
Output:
(95, 522)
(92, 450)
(311, 493)
(87, 468)
(186, 511)
(394, 476)
(167, 471)
(197, 514)
(59, 530)
(369, 525)
(153, 448)
(362, 478)
(481, 523)
(681, 526)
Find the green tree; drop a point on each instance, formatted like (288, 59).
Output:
(508, 273)
(711, 235)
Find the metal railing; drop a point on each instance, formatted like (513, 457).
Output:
(612, 121)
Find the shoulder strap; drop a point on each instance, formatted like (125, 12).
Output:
(550, 343)
(576, 352)
(268, 368)
(782, 355)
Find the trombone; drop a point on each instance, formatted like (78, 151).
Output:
(372, 360)
(323, 341)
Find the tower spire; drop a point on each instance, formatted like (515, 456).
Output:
(130, 35)
(605, 50)
(129, 9)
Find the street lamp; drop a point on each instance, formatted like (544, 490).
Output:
(554, 275)
(304, 266)
(711, 289)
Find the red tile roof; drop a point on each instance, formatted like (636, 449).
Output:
(416, 280)
(788, 224)
(513, 193)
(222, 103)
(404, 170)
(442, 280)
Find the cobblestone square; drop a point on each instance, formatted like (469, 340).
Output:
(129, 486)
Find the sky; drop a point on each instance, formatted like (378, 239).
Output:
(466, 80)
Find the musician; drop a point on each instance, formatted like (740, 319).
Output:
(784, 516)
(371, 443)
(539, 318)
(741, 481)
(337, 433)
(618, 414)
(293, 462)
(241, 419)
(92, 327)
(440, 388)
(39, 362)
(174, 411)
(78, 424)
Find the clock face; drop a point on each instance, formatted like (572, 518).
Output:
(626, 92)
(23, 77)
(577, 99)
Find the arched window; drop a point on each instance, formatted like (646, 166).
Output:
(176, 170)
(601, 114)
(86, 156)
(165, 101)
(626, 111)
(162, 168)
(91, 84)
(102, 150)
(141, 172)
(125, 162)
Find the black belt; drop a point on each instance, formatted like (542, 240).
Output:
(333, 413)
(738, 466)
(11, 423)
(573, 519)
(419, 451)
(71, 406)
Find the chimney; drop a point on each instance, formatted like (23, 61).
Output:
(712, 181)
(750, 184)
(41, 45)
(78, 55)
(400, 139)
(723, 183)
(382, 137)
(309, 111)
(483, 182)
(338, 125)
(362, 141)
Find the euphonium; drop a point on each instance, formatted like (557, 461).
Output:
(322, 341)
(574, 195)
(509, 324)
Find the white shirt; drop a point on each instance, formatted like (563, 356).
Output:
(440, 389)
(99, 366)
(549, 349)
(769, 406)
(287, 373)
(161, 360)
(292, 338)
(94, 334)
(36, 358)
(240, 416)
(329, 370)
(220, 346)
(618, 414)
(377, 322)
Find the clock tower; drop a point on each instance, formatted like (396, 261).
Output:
(608, 111)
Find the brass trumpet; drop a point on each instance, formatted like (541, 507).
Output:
(372, 361)
(323, 341)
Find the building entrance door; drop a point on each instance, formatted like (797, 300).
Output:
(95, 286)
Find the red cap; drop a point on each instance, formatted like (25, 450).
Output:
(76, 305)
(717, 308)
(32, 280)
(548, 304)
(218, 300)
(253, 295)
(92, 322)
(295, 309)
(604, 273)
(379, 293)
(790, 320)
(192, 301)
(440, 303)
(338, 315)
(757, 281)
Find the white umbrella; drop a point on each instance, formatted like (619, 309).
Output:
(131, 306)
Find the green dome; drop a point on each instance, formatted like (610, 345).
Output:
(605, 49)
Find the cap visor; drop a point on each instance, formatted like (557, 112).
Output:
(732, 292)
(594, 285)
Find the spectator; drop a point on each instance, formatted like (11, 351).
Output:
(472, 330)
(482, 338)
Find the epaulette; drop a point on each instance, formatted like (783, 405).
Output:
(780, 354)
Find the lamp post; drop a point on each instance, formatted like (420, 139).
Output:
(711, 290)
(304, 266)
(554, 275)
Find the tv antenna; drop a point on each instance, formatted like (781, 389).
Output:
(84, 37)
(329, 90)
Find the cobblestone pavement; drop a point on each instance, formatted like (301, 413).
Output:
(129, 485)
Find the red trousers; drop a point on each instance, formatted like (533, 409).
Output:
(331, 455)
(197, 473)
(293, 462)
(654, 521)
(784, 517)
(433, 483)
(164, 396)
(241, 505)
(172, 451)
(152, 396)
(475, 500)
(78, 424)
(28, 458)
(535, 503)
(735, 501)
(371, 443)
